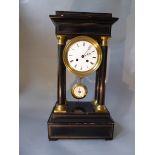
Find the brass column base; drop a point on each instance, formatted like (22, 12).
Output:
(99, 108)
(60, 109)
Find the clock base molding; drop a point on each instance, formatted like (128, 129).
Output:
(80, 125)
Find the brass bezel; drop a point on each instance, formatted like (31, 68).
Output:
(77, 85)
(94, 43)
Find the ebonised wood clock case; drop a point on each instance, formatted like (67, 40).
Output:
(86, 120)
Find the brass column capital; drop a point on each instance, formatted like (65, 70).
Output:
(105, 40)
(61, 39)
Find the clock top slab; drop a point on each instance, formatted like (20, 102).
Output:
(83, 23)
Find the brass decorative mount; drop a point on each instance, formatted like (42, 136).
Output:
(105, 40)
(61, 39)
(98, 107)
(60, 108)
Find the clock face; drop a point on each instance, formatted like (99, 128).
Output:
(82, 55)
(79, 91)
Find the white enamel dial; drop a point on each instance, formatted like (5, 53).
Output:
(79, 91)
(82, 55)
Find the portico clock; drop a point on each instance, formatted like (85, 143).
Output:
(82, 50)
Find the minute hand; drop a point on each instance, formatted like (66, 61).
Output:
(89, 53)
(87, 50)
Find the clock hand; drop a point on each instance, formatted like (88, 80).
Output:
(89, 53)
(79, 91)
(86, 52)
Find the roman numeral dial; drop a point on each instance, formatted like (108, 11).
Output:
(82, 55)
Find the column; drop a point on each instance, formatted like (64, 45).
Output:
(61, 81)
(100, 78)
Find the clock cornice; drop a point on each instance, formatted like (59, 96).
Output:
(83, 23)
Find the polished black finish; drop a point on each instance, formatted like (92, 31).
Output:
(101, 77)
(97, 85)
(80, 119)
(83, 23)
(61, 82)
(81, 124)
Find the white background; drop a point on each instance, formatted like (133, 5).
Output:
(144, 85)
